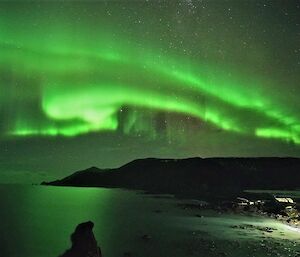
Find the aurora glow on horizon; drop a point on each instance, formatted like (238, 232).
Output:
(183, 77)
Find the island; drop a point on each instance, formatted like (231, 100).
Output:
(193, 176)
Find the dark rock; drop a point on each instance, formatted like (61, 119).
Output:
(83, 241)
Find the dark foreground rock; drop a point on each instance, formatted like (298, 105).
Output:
(84, 243)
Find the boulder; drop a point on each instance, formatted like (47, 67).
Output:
(83, 241)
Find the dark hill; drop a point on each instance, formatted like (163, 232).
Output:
(193, 175)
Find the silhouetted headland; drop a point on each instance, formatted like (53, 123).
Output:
(193, 176)
(83, 241)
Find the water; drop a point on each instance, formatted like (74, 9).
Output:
(37, 221)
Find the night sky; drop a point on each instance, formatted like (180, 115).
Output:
(100, 83)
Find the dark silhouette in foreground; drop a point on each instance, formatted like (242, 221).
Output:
(84, 243)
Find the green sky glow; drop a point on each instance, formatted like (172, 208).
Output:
(194, 75)
(82, 92)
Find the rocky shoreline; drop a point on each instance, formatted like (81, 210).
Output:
(287, 214)
(211, 228)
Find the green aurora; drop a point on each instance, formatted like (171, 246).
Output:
(73, 104)
(69, 69)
